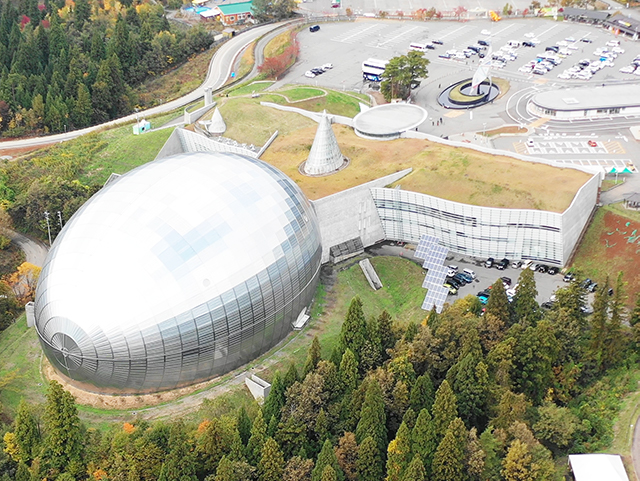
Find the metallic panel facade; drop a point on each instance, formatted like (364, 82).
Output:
(183, 269)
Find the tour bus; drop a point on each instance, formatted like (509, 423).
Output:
(372, 69)
(418, 47)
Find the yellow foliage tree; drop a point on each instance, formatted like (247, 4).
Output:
(23, 282)
(11, 446)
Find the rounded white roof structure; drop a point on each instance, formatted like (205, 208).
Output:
(210, 254)
(388, 121)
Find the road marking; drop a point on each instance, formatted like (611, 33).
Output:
(520, 148)
(613, 147)
(500, 31)
(401, 34)
(537, 123)
(453, 31)
(547, 30)
(358, 33)
(454, 113)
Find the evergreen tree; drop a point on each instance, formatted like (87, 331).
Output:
(448, 461)
(328, 474)
(347, 455)
(321, 427)
(517, 464)
(354, 328)
(236, 452)
(180, 463)
(445, 409)
(313, 357)
(348, 372)
(213, 444)
(615, 340)
(82, 12)
(385, 333)
(399, 454)
(635, 314)
(369, 464)
(274, 402)
(410, 418)
(81, 114)
(229, 470)
(423, 439)
(23, 473)
(243, 423)
(298, 469)
(422, 393)
(415, 471)
(271, 466)
(373, 418)
(63, 450)
(257, 440)
(498, 303)
(471, 386)
(290, 377)
(272, 428)
(525, 306)
(474, 456)
(327, 457)
(27, 433)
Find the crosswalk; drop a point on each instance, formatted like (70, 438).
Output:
(568, 147)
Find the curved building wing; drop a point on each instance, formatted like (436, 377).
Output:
(181, 270)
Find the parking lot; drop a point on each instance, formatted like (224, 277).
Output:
(347, 44)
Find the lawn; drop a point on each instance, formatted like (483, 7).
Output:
(610, 245)
(278, 44)
(457, 174)
(20, 360)
(301, 93)
(253, 87)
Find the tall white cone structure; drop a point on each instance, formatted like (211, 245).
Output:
(217, 125)
(325, 156)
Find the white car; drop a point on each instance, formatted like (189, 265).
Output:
(327, 66)
(570, 39)
(486, 32)
(529, 35)
(562, 43)
(627, 69)
(619, 50)
(572, 46)
(564, 76)
(309, 74)
(613, 43)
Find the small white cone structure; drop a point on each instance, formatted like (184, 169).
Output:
(325, 156)
(217, 125)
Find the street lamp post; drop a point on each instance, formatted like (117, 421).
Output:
(60, 219)
(46, 216)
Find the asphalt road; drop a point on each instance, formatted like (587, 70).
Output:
(219, 71)
(35, 252)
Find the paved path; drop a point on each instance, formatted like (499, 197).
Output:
(35, 251)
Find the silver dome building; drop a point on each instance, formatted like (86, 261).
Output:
(181, 270)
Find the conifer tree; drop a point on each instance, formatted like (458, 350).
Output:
(298, 469)
(498, 303)
(313, 357)
(63, 450)
(373, 418)
(423, 439)
(385, 333)
(327, 457)
(348, 372)
(243, 423)
(213, 444)
(321, 427)
(445, 409)
(329, 474)
(615, 342)
(290, 377)
(272, 427)
(422, 393)
(399, 454)
(525, 306)
(23, 473)
(236, 452)
(275, 400)
(635, 314)
(257, 440)
(474, 456)
(354, 328)
(448, 461)
(369, 464)
(410, 418)
(347, 455)
(180, 463)
(27, 433)
(471, 386)
(517, 463)
(271, 465)
(415, 471)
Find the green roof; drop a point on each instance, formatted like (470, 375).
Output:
(235, 8)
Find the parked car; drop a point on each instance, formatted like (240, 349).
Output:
(485, 293)
(527, 44)
(309, 74)
(484, 43)
(568, 277)
(586, 283)
(483, 299)
(327, 66)
(470, 273)
(592, 143)
(542, 268)
(506, 281)
(586, 40)
(452, 271)
(516, 264)
(547, 305)
(489, 262)
(452, 290)
(593, 287)
(462, 278)
(503, 264)
(454, 282)
(437, 42)
(553, 270)
(317, 71)
(314, 28)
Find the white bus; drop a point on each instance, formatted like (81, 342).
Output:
(372, 69)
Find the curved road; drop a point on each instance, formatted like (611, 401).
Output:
(219, 71)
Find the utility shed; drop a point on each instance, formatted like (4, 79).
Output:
(597, 467)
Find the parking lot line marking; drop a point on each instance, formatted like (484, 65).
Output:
(359, 32)
(452, 32)
(547, 30)
(520, 148)
(401, 34)
(500, 31)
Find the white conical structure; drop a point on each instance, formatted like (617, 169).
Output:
(325, 156)
(217, 125)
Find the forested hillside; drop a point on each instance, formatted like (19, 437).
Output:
(66, 65)
(466, 396)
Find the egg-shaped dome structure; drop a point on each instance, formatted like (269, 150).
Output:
(181, 270)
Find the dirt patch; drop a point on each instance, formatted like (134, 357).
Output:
(510, 129)
(17, 152)
(620, 240)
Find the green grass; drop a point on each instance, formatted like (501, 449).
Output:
(301, 93)
(337, 103)
(250, 88)
(20, 358)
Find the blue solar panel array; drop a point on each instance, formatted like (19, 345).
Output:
(434, 255)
